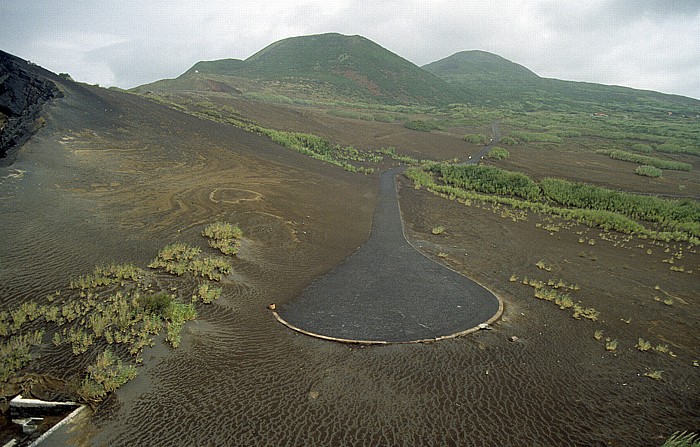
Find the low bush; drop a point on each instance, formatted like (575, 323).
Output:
(475, 138)
(536, 137)
(489, 179)
(648, 171)
(421, 126)
(498, 153)
(224, 237)
(650, 161)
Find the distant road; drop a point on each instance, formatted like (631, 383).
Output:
(387, 291)
(496, 130)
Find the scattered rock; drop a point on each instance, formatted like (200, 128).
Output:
(513, 338)
(485, 327)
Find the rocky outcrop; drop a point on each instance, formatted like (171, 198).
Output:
(23, 91)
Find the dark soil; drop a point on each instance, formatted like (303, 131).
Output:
(113, 178)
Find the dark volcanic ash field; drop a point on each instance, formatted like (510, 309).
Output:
(113, 177)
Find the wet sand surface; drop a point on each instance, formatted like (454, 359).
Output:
(114, 178)
(389, 292)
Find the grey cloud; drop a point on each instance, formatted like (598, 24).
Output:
(641, 43)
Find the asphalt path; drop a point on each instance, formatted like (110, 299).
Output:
(387, 291)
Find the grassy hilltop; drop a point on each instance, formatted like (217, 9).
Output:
(346, 66)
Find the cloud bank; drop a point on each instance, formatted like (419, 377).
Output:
(643, 44)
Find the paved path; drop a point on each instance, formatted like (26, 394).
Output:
(476, 158)
(389, 292)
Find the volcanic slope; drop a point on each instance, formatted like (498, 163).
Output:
(330, 65)
(486, 78)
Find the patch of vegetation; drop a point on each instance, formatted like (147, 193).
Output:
(498, 153)
(106, 375)
(655, 374)
(488, 179)
(650, 161)
(208, 292)
(549, 291)
(586, 204)
(611, 345)
(421, 126)
(641, 147)
(15, 353)
(180, 258)
(682, 439)
(643, 345)
(224, 237)
(118, 306)
(475, 138)
(535, 137)
(391, 152)
(438, 230)
(678, 148)
(648, 171)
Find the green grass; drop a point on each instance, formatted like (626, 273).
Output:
(350, 67)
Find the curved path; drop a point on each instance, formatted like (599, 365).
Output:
(388, 292)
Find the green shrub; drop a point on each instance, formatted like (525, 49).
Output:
(489, 179)
(536, 137)
(421, 126)
(438, 230)
(650, 161)
(155, 303)
(678, 148)
(648, 171)
(498, 153)
(105, 376)
(208, 292)
(224, 237)
(383, 117)
(641, 147)
(475, 138)
(635, 206)
(508, 141)
(589, 205)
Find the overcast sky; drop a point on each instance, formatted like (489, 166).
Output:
(648, 44)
